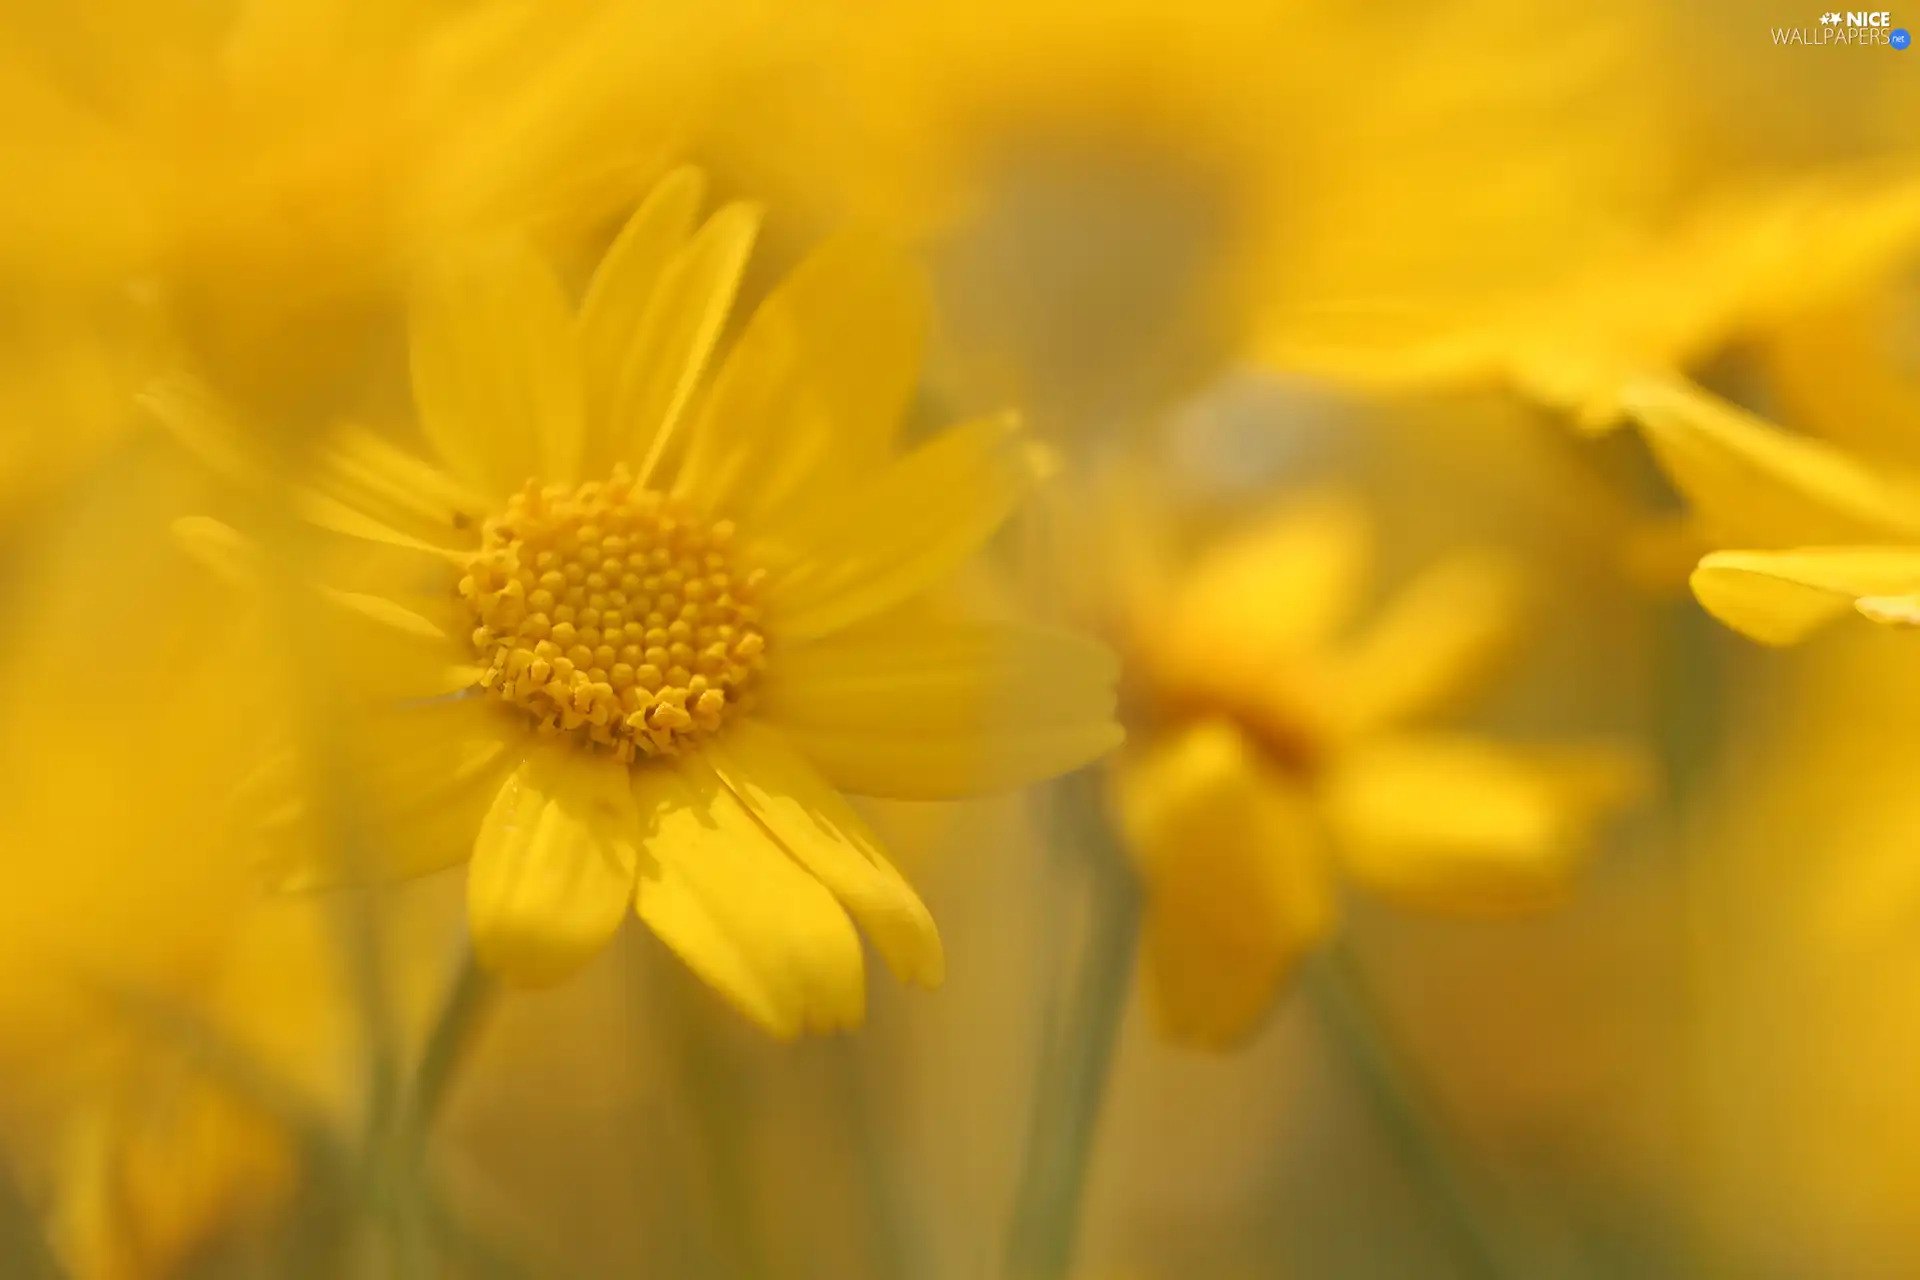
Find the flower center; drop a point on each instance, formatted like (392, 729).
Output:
(613, 613)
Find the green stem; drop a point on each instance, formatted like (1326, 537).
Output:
(710, 1076)
(403, 1197)
(23, 1249)
(1077, 1056)
(1409, 1118)
(890, 1248)
(462, 1014)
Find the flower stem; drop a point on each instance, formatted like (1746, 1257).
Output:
(889, 1239)
(24, 1251)
(1077, 1053)
(1408, 1116)
(396, 1181)
(462, 1013)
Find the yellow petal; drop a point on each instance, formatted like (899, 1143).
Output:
(221, 548)
(372, 649)
(362, 471)
(913, 708)
(496, 369)
(1756, 485)
(659, 361)
(823, 833)
(553, 868)
(191, 412)
(1464, 825)
(810, 398)
(912, 525)
(1236, 887)
(1431, 644)
(420, 779)
(1277, 589)
(329, 513)
(1891, 611)
(365, 646)
(738, 910)
(623, 287)
(1780, 597)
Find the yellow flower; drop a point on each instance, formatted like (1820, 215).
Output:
(1821, 532)
(1271, 756)
(1659, 300)
(67, 383)
(1808, 845)
(126, 873)
(132, 892)
(1127, 202)
(656, 622)
(1848, 369)
(266, 172)
(155, 1157)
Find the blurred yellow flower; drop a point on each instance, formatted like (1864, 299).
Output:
(1820, 530)
(267, 171)
(186, 1130)
(1660, 300)
(1848, 369)
(157, 1154)
(68, 375)
(1271, 756)
(133, 891)
(1131, 197)
(643, 676)
(149, 894)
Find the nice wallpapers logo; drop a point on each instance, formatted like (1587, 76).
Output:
(1851, 30)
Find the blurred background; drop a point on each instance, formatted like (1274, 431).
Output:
(1230, 261)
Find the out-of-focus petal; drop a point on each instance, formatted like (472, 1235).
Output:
(1463, 824)
(360, 470)
(614, 313)
(653, 367)
(1758, 486)
(496, 369)
(912, 525)
(1232, 864)
(914, 708)
(1432, 643)
(421, 777)
(810, 398)
(1284, 585)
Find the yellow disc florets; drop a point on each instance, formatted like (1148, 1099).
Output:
(613, 613)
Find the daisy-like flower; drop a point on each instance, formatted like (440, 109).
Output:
(669, 618)
(203, 1117)
(1658, 300)
(1272, 757)
(154, 1161)
(1820, 531)
(1130, 203)
(263, 172)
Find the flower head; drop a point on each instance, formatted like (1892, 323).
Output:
(266, 173)
(652, 622)
(1272, 756)
(193, 1125)
(1128, 204)
(1661, 299)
